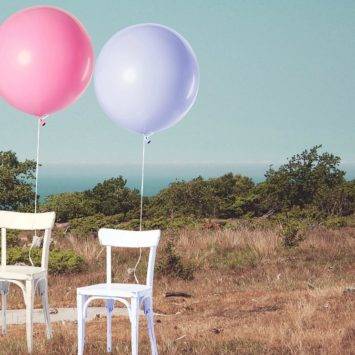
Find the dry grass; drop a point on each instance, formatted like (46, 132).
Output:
(266, 300)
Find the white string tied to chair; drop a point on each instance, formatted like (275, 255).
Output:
(146, 140)
(36, 240)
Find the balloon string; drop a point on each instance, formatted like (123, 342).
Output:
(40, 123)
(35, 237)
(36, 240)
(37, 161)
(144, 142)
(142, 184)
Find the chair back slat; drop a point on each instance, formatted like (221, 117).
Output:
(108, 265)
(27, 221)
(3, 246)
(150, 269)
(130, 239)
(45, 248)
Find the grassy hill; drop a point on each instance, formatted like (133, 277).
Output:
(250, 293)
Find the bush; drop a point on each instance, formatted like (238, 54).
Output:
(60, 261)
(161, 223)
(335, 222)
(224, 197)
(303, 181)
(69, 205)
(172, 265)
(235, 259)
(16, 180)
(309, 214)
(112, 197)
(12, 238)
(338, 200)
(65, 262)
(292, 233)
(88, 225)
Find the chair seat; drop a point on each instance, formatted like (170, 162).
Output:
(19, 272)
(115, 290)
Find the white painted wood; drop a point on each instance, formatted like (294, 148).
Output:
(108, 265)
(3, 246)
(43, 291)
(29, 313)
(4, 289)
(109, 311)
(27, 221)
(136, 293)
(150, 268)
(45, 248)
(115, 290)
(148, 311)
(134, 325)
(129, 239)
(3, 312)
(81, 323)
(28, 277)
(19, 272)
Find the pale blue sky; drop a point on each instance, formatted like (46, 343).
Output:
(276, 77)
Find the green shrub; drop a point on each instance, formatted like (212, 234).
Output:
(65, 262)
(235, 259)
(60, 261)
(16, 179)
(161, 223)
(242, 259)
(309, 214)
(87, 225)
(292, 233)
(335, 222)
(113, 197)
(12, 238)
(172, 265)
(69, 205)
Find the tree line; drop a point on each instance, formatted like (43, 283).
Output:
(310, 183)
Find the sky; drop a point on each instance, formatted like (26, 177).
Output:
(276, 77)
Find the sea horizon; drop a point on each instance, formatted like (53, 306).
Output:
(59, 178)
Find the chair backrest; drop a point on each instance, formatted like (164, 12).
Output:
(27, 221)
(130, 239)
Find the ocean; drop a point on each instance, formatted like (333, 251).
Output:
(54, 179)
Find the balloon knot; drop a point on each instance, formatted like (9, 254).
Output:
(42, 120)
(147, 139)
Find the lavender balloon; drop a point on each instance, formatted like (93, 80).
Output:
(146, 78)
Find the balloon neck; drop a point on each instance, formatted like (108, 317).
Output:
(42, 120)
(147, 138)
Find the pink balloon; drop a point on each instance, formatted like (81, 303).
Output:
(46, 60)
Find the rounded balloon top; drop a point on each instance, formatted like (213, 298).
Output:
(146, 78)
(46, 60)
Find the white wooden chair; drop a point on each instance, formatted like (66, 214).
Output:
(28, 278)
(133, 296)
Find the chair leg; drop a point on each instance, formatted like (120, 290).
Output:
(148, 311)
(109, 310)
(80, 299)
(29, 313)
(43, 291)
(3, 312)
(4, 290)
(134, 317)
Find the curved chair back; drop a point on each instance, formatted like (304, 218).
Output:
(27, 221)
(130, 239)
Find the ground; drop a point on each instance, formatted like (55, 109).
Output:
(249, 295)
